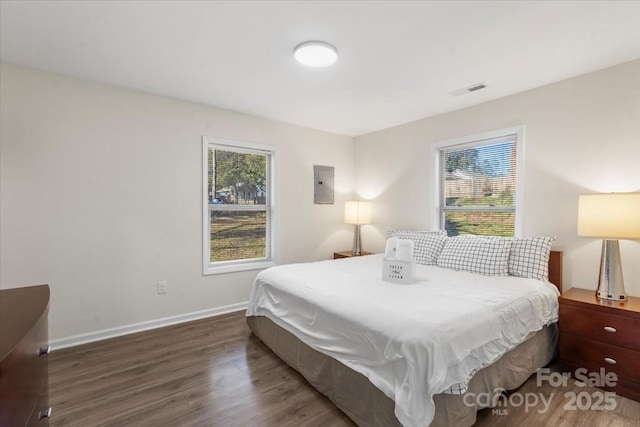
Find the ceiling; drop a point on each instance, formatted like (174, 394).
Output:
(398, 60)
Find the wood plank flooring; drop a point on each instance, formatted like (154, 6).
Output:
(214, 372)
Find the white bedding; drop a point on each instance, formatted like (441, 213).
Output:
(410, 341)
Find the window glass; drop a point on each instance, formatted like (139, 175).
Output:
(237, 235)
(478, 187)
(238, 206)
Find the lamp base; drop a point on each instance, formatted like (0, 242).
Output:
(610, 282)
(357, 242)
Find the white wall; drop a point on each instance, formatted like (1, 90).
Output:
(582, 135)
(100, 186)
(101, 198)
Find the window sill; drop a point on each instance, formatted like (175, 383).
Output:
(233, 268)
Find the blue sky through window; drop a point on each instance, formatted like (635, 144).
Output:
(496, 159)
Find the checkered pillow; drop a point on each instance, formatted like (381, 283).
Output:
(488, 256)
(530, 257)
(427, 244)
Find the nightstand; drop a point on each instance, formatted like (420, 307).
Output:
(348, 254)
(597, 334)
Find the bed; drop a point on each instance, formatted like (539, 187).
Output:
(392, 354)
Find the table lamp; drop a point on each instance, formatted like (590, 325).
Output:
(610, 217)
(357, 212)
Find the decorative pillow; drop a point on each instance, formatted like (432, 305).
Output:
(530, 257)
(427, 244)
(482, 255)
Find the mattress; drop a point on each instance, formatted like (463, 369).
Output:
(410, 341)
(367, 406)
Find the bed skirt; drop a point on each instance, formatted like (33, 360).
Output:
(367, 406)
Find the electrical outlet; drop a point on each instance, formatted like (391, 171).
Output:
(162, 287)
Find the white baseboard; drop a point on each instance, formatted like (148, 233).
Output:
(104, 334)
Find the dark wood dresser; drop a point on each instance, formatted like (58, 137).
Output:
(24, 375)
(597, 334)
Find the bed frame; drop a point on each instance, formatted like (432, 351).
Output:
(555, 269)
(367, 406)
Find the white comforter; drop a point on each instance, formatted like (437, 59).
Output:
(411, 341)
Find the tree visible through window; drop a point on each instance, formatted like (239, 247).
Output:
(478, 187)
(238, 204)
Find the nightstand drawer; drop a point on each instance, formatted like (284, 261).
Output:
(601, 326)
(595, 354)
(622, 388)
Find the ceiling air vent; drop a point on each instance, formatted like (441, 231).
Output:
(468, 89)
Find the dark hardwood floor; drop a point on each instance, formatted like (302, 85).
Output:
(214, 372)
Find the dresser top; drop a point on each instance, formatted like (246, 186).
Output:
(20, 309)
(587, 298)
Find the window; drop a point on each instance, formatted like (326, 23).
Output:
(238, 206)
(479, 184)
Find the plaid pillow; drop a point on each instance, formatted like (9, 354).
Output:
(530, 257)
(488, 256)
(428, 244)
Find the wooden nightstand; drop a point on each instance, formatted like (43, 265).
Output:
(348, 254)
(597, 333)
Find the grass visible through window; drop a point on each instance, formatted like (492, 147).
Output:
(238, 235)
(480, 223)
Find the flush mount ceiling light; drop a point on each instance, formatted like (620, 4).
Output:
(316, 54)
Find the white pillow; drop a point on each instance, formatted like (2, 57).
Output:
(427, 244)
(530, 257)
(482, 255)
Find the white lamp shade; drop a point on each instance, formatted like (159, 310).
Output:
(609, 216)
(357, 212)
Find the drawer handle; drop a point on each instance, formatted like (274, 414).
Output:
(46, 413)
(609, 329)
(44, 350)
(610, 360)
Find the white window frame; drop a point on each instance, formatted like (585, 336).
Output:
(473, 140)
(220, 267)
